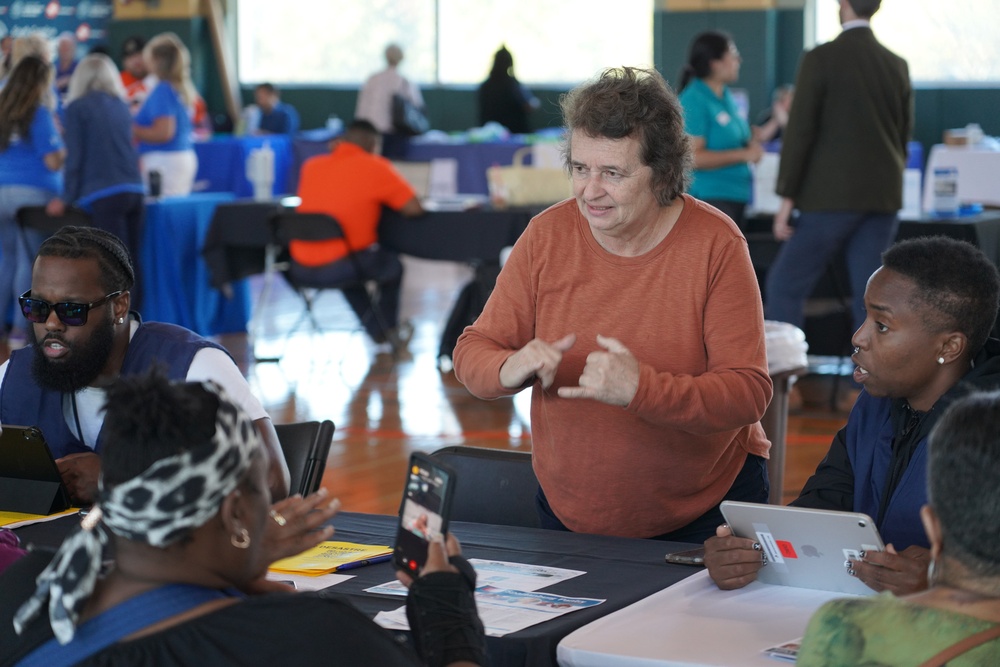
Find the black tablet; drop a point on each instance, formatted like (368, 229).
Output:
(29, 479)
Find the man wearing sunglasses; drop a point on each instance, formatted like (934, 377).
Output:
(84, 337)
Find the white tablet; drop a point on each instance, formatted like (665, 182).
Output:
(806, 548)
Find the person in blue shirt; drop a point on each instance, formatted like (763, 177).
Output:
(720, 135)
(31, 154)
(163, 124)
(276, 117)
(102, 165)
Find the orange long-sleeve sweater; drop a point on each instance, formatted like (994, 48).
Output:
(689, 310)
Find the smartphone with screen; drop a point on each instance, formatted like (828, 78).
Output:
(424, 512)
(688, 557)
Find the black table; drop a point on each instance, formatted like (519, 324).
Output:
(620, 570)
(474, 237)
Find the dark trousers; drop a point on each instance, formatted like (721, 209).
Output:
(803, 259)
(751, 485)
(378, 264)
(123, 215)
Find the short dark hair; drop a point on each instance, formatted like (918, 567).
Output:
(362, 133)
(865, 9)
(72, 242)
(631, 102)
(958, 287)
(148, 418)
(267, 87)
(705, 47)
(963, 478)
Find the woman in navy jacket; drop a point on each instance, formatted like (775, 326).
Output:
(925, 342)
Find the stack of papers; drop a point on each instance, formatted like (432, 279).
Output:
(17, 519)
(506, 597)
(329, 557)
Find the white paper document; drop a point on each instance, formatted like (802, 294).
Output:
(304, 582)
(504, 611)
(501, 574)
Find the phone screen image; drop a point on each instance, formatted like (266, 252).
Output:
(423, 515)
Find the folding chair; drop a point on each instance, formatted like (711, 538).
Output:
(496, 486)
(295, 226)
(241, 243)
(305, 446)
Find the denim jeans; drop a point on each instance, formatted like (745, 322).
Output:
(17, 249)
(819, 235)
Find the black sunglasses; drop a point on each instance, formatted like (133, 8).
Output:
(69, 313)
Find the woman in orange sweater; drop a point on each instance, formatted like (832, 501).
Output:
(633, 313)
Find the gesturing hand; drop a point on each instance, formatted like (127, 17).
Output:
(536, 359)
(610, 377)
(295, 524)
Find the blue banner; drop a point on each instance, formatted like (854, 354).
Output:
(87, 19)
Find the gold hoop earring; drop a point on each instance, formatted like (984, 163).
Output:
(241, 541)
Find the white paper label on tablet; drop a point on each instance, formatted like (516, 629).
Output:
(770, 547)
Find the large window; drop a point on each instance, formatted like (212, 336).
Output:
(445, 41)
(943, 42)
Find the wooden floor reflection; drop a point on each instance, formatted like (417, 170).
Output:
(384, 408)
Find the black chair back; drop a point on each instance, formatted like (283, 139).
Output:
(237, 240)
(493, 486)
(37, 218)
(295, 226)
(305, 446)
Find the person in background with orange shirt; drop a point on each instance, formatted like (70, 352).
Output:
(352, 184)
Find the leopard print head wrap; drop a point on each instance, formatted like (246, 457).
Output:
(158, 507)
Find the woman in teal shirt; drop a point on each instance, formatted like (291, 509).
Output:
(721, 138)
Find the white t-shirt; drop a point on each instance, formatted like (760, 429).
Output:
(208, 363)
(375, 98)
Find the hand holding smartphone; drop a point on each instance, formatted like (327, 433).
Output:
(424, 512)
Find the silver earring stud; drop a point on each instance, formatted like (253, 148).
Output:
(121, 320)
(941, 360)
(856, 350)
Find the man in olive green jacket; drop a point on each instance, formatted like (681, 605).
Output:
(842, 163)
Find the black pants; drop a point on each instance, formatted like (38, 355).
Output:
(751, 485)
(123, 215)
(379, 264)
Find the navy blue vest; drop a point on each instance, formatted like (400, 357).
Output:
(25, 403)
(871, 456)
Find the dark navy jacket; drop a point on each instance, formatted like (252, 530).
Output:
(25, 403)
(863, 465)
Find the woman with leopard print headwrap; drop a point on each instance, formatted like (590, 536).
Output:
(184, 502)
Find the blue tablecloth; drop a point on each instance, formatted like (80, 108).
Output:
(473, 159)
(176, 281)
(222, 163)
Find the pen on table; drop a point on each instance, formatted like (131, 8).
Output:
(360, 563)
